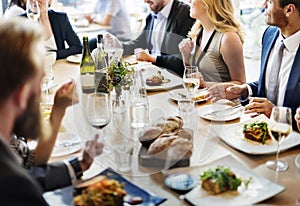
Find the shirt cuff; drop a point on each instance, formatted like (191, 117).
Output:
(71, 171)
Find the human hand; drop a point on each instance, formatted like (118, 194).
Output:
(226, 90)
(66, 96)
(259, 105)
(185, 48)
(111, 40)
(297, 117)
(89, 18)
(143, 55)
(92, 149)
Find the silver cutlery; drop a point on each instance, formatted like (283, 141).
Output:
(68, 144)
(222, 111)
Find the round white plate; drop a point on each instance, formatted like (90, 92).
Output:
(227, 116)
(66, 144)
(180, 94)
(75, 58)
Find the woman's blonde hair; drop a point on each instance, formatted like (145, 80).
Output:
(221, 14)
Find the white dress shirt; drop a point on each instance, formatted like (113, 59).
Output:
(291, 46)
(159, 28)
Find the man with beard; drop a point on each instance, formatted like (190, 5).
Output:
(22, 58)
(283, 89)
(165, 28)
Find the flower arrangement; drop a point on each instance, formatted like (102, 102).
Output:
(119, 76)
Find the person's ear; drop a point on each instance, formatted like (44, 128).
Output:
(22, 95)
(290, 8)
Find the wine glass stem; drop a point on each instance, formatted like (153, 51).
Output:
(277, 153)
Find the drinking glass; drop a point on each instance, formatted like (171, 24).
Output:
(191, 79)
(279, 128)
(32, 10)
(98, 111)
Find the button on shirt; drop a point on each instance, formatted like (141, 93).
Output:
(159, 28)
(291, 46)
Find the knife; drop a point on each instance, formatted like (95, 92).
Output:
(222, 111)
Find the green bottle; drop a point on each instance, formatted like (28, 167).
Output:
(87, 69)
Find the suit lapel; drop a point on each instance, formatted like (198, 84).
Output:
(293, 80)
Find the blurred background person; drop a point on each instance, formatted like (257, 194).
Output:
(215, 42)
(110, 13)
(15, 8)
(58, 31)
(166, 26)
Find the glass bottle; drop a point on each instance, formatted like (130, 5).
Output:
(139, 104)
(99, 56)
(87, 69)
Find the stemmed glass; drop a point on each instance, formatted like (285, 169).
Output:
(279, 128)
(98, 111)
(191, 79)
(33, 10)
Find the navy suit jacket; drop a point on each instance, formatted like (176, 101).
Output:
(292, 93)
(178, 24)
(63, 32)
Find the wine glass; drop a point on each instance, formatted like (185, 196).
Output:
(279, 128)
(191, 80)
(33, 10)
(98, 111)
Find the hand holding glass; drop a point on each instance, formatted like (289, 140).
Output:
(32, 10)
(279, 128)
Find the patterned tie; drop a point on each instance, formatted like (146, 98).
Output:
(272, 92)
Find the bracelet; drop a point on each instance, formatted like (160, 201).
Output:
(76, 166)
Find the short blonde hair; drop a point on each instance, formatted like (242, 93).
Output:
(18, 36)
(221, 14)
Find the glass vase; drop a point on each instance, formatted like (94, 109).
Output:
(118, 99)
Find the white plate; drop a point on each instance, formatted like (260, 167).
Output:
(259, 188)
(66, 144)
(179, 94)
(231, 115)
(75, 58)
(233, 135)
(149, 70)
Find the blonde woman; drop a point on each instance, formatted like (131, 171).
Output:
(215, 42)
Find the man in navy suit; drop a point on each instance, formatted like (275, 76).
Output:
(165, 27)
(283, 16)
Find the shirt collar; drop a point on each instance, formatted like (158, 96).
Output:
(165, 12)
(292, 42)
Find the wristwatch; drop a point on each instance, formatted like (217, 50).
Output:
(76, 166)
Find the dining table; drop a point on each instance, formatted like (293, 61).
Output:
(208, 147)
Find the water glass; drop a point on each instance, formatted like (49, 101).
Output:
(139, 111)
(123, 154)
(185, 109)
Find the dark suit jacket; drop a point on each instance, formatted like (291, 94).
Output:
(292, 93)
(63, 32)
(178, 24)
(17, 187)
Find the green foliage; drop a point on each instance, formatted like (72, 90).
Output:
(119, 75)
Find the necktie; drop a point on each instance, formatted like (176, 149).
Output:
(273, 78)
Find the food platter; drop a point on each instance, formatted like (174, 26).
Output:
(181, 94)
(233, 136)
(258, 189)
(132, 190)
(148, 70)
